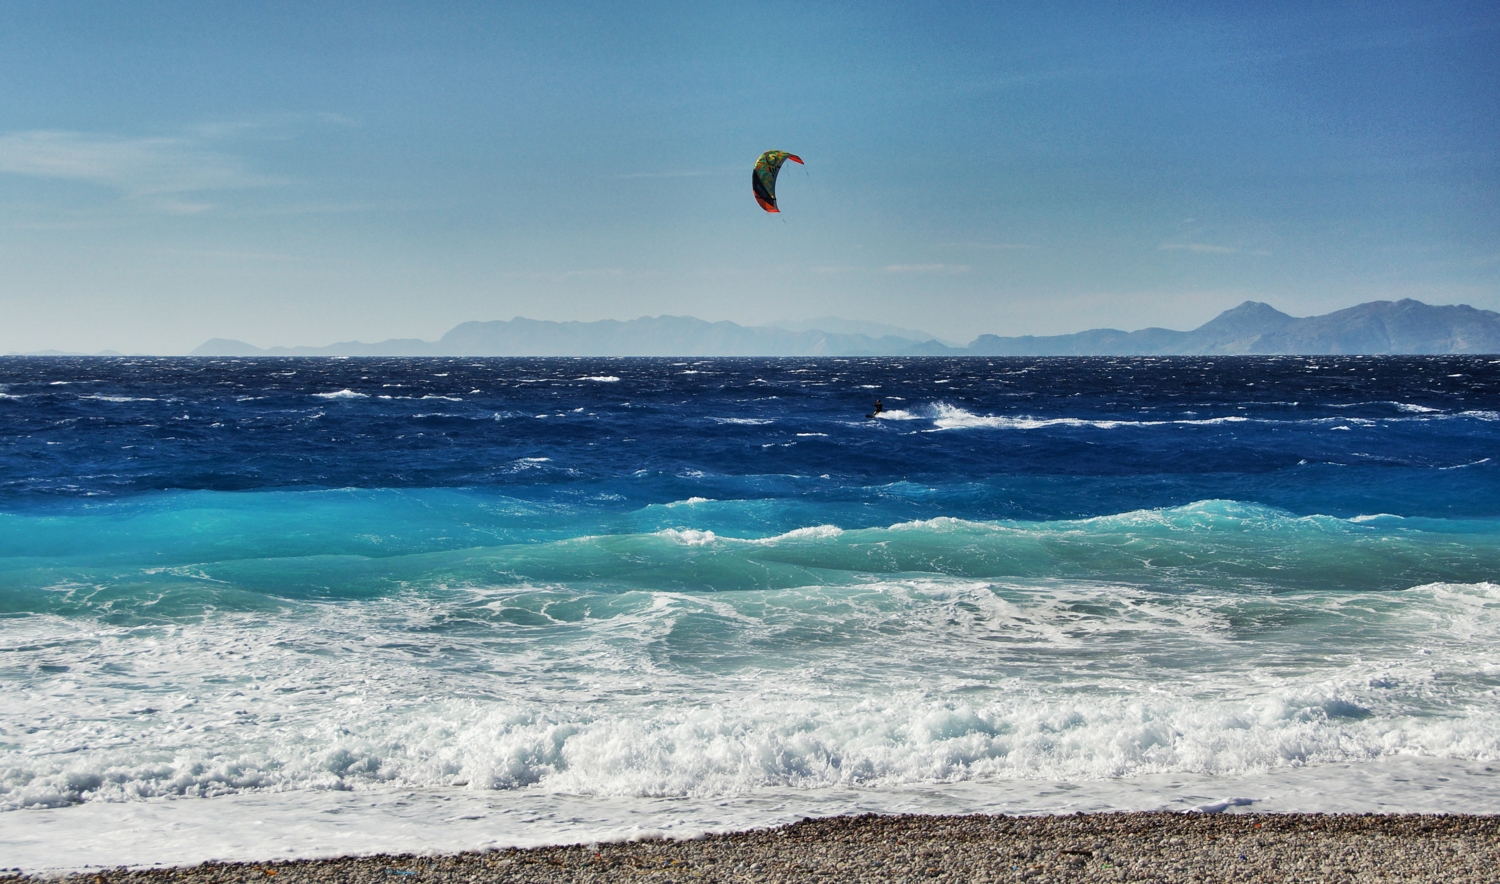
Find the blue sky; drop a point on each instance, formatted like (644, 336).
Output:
(302, 173)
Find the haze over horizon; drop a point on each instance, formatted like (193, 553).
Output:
(284, 175)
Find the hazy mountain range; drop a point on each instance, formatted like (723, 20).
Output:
(647, 336)
(1376, 327)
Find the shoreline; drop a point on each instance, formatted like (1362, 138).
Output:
(259, 827)
(1130, 846)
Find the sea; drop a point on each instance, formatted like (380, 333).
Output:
(291, 607)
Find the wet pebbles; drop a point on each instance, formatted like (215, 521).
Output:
(1100, 847)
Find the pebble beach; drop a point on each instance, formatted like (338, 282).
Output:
(1160, 847)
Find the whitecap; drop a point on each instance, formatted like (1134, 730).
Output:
(951, 417)
(603, 378)
(691, 501)
(1209, 421)
(812, 532)
(120, 398)
(688, 536)
(342, 394)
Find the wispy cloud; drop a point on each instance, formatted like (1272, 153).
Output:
(266, 127)
(228, 254)
(160, 170)
(591, 273)
(135, 166)
(1208, 249)
(679, 173)
(925, 268)
(334, 207)
(588, 273)
(991, 246)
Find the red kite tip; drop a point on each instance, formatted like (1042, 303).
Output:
(796, 159)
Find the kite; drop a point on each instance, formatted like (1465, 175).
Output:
(763, 179)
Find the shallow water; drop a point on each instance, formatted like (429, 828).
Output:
(623, 582)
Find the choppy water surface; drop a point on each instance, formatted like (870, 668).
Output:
(712, 580)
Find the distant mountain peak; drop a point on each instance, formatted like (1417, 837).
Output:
(1248, 319)
(1256, 309)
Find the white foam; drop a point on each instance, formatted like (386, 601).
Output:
(342, 394)
(744, 421)
(1210, 421)
(239, 709)
(273, 826)
(594, 704)
(950, 417)
(688, 536)
(691, 501)
(812, 532)
(603, 379)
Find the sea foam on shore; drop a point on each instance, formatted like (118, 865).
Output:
(262, 827)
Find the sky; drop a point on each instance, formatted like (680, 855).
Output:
(300, 173)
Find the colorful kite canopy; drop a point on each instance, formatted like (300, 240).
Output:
(763, 179)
